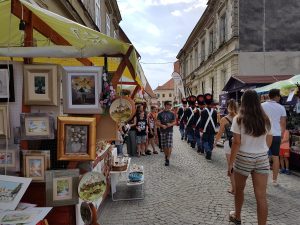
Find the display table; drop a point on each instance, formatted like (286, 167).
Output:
(126, 190)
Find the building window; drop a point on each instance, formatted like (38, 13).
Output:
(202, 50)
(170, 94)
(212, 85)
(107, 25)
(163, 95)
(203, 87)
(158, 95)
(196, 57)
(211, 42)
(224, 77)
(97, 14)
(191, 63)
(223, 28)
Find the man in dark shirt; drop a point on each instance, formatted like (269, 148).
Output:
(166, 120)
(197, 119)
(189, 114)
(180, 117)
(208, 125)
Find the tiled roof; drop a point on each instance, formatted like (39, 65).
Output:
(169, 85)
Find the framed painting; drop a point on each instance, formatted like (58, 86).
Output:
(35, 167)
(4, 122)
(40, 85)
(26, 153)
(36, 126)
(12, 190)
(81, 90)
(61, 187)
(76, 138)
(7, 92)
(8, 158)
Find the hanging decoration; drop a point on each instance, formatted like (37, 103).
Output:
(108, 93)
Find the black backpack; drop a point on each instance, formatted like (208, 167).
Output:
(228, 132)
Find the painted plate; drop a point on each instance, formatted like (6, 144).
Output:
(122, 109)
(92, 186)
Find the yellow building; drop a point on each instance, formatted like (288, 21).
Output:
(165, 92)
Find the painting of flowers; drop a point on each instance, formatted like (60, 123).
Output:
(76, 139)
(83, 90)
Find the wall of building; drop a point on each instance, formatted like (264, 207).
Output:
(160, 99)
(269, 63)
(269, 25)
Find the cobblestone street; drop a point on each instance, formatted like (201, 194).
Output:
(194, 191)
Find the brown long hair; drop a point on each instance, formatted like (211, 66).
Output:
(231, 104)
(252, 115)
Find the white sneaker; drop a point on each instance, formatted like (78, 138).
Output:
(275, 183)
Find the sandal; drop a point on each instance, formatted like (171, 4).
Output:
(155, 152)
(143, 154)
(233, 219)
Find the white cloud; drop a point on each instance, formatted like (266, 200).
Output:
(176, 13)
(178, 36)
(152, 29)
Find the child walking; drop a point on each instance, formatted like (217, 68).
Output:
(141, 133)
(284, 153)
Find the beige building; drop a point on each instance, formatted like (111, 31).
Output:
(165, 92)
(224, 44)
(101, 15)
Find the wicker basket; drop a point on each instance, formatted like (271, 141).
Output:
(117, 167)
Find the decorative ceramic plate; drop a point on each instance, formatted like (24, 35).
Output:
(92, 186)
(122, 109)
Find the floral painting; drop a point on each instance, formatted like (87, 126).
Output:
(76, 139)
(83, 90)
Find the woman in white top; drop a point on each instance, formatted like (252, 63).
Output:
(225, 125)
(252, 138)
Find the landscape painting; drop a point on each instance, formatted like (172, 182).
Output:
(12, 189)
(83, 90)
(37, 126)
(76, 139)
(7, 158)
(62, 188)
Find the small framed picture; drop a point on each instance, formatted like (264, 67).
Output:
(8, 158)
(12, 189)
(37, 126)
(61, 187)
(35, 167)
(76, 138)
(4, 122)
(25, 153)
(81, 90)
(7, 91)
(40, 85)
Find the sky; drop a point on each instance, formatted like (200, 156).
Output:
(158, 29)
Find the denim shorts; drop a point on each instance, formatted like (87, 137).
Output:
(141, 139)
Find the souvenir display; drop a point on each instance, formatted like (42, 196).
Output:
(37, 126)
(76, 138)
(81, 88)
(61, 187)
(7, 92)
(92, 186)
(11, 191)
(122, 109)
(40, 85)
(108, 93)
(4, 122)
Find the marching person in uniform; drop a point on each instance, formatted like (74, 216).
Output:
(208, 124)
(197, 119)
(189, 114)
(180, 117)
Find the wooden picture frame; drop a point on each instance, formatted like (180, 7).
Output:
(7, 91)
(25, 153)
(4, 122)
(36, 126)
(17, 185)
(35, 167)
(76, 138)
(40, 85)
(81, 90)
(61, 187)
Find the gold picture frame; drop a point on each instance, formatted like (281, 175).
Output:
(4, 122)
(76, 138)
(40, 85)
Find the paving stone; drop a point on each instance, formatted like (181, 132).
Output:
(194, 191)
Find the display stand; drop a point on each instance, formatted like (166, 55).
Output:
(126, 190)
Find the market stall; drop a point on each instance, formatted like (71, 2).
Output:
(58, 80)
(289, 90)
